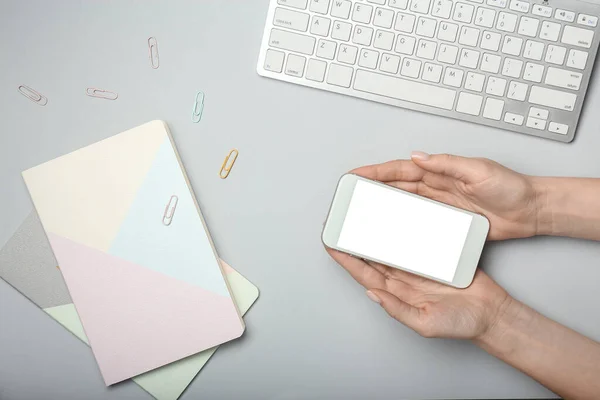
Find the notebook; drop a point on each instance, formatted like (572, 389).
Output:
(27, 263)
(134, 252)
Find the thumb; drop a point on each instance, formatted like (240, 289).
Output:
(396, 308)
(461, 168)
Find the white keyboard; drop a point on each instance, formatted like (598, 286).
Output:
(518, 65)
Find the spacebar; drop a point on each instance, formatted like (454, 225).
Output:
(403, 89)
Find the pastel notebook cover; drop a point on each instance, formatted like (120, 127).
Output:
(27, 264)
(147, 294)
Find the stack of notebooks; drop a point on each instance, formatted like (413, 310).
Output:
(121, 257)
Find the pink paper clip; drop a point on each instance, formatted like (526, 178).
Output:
(101, 94)
(33, 95)
(153, 52)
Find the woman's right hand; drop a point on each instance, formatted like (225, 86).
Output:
(507, 198)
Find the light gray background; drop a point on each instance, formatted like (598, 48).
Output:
(313, 334)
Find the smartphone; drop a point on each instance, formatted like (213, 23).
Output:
(380, 223)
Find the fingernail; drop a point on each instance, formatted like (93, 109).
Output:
(419, 155)
(373, 297)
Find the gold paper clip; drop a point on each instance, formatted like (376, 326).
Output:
(198, 107)
(101, 93)
(33, 95)
(170, 210)
(227, 165)
(153, 52)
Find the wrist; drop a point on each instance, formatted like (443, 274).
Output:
(544, 219)
(500, 327)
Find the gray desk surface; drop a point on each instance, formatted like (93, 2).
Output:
(313, 334)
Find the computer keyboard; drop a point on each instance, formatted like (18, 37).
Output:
(518, 65)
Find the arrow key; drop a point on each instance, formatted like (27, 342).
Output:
(536, 123)
(538, 113)
(555, 127)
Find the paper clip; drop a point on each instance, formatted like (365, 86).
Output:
(33, 95)
(198, 107)
(226, 167)
(101, 94)
(153, 52)
(170, 210)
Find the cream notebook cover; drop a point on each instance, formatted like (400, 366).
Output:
(140, 267)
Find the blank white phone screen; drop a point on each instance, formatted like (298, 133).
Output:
(403, 230)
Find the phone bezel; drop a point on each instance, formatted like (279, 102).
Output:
(470, 254)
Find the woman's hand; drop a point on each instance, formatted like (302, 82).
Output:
(508, 199)
(428, 307)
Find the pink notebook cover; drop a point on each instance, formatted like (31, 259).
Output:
(148, 288)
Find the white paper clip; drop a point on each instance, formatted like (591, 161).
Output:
(153, 52)
(101, 94)
(33, 95)
(198, 107)
(170, 210)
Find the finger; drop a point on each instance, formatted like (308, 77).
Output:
(398, 170)
(410, 281)
(362, 272)
(461, 168)
(396, 308)
(401, 288)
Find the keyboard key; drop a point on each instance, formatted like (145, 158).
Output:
(552, 98)
(403, 89)
(542, 11)
(347, 54)
(577, 36)
(469, 36)
(320, 26)
(533, 50)
(380, 2)
(447, 31)
(496, 86)
(383, 18)
(519, 5)
(490, 63)
(539, 113)
(490, 41)
(463, 13)
(563, 15)
(401, 4)
(506, 22)
(497, 3)
(432, 72)
(341, 9)
(555, 54)
(469, 103)
(447, 54)
(420, 6)
(405, 45)
(442, 8)
(512, 67)
(341, 31)
(300, 4)
(550, 31)
(485, 17)
(474, 81)
(426, 49)
(514, 119)
(339, 75)
(291, 19)
(274, 60)
(295, 65)
(368, 58)
(326, 49)
(469, 58)
(292, 41)
(383, 40)
(577, 59)
(561, 129)
(529, 26)
(517, 91)
(453, 77)
(512, 45)
(533, 72)
(563, 78)
(362, 13)
(316, 70)
(404, 22)
(493, 109)
(587, 20)
(426, 27)
(389, 63)
(411, 68)
(536, 123)
(319, 6)
(362, 35)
